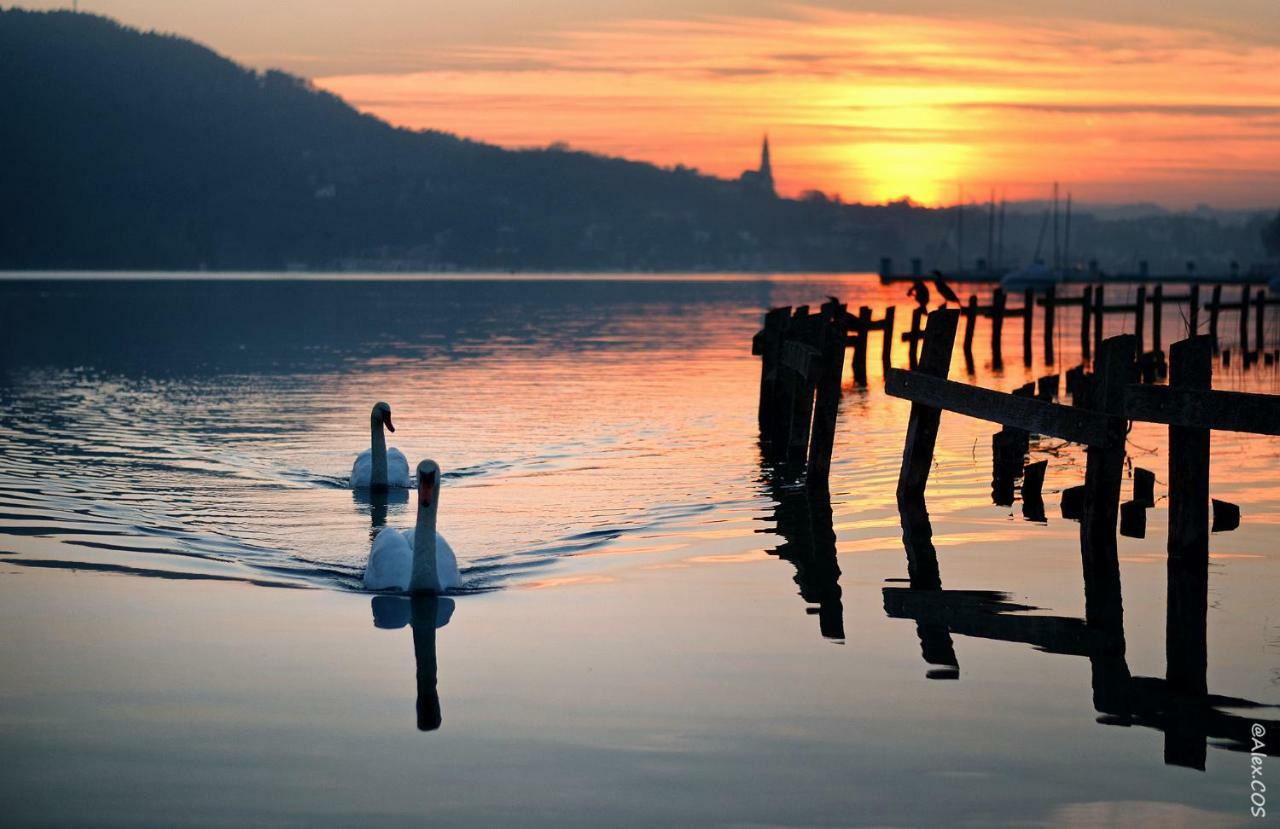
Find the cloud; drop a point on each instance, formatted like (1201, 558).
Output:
(872, 105)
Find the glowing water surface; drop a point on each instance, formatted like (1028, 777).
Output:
(599, 441)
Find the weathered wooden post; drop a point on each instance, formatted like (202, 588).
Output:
(1157, 316)
(788, 386)
(913, 337)
(886, 345)
(1215, 305)
(862, 341)
(775, 326)
(832, 339)
(1244, 321)
(922, 426)
(1050, 295)
(803, 356)
(1259, 313)
(1086, 311)
(1139, 316)
(998, 301)
(1103, 471)
(1099, 316)
(1028, 314)
(1186, 642)
(970, 320)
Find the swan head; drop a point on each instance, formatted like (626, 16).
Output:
(428, 478)
(381, 414)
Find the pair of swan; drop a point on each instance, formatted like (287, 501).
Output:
(416, 560)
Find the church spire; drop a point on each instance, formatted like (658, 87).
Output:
(766, 168)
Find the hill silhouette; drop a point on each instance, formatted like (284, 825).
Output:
(121, 149)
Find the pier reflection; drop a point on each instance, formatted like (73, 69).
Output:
(804, 522)
(424, 614)
(1178, 705)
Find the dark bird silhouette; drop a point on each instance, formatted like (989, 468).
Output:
(920, 292)
(944, 290)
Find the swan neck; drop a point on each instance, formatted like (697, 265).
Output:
(378, 452)
(425, 572)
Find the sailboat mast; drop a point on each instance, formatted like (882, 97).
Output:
(1066, 236)
(1055, 226)
(991, 231)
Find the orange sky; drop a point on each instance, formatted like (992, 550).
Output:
(876, 106)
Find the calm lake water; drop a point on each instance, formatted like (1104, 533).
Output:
(651, 630)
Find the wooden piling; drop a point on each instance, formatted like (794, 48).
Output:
(1028, 315)
(998, 301)
(1086, 310)
(1104, 469)
(1244, 319)
(1099, 316)
(1050, 295)
(914, 336)
(806, 356)
(886, 344)
(832, 338)
(775, 325)
(1186, 650)
(1139, 315)
(1157, 317)
(1215, 305)
(862, 341)
(1259, 314)
(970, 320)
(922, 426)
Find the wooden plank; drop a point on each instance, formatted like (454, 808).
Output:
(1026, 413)
(1227, 411)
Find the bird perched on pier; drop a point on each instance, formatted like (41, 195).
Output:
(944, 290)
(920, 292)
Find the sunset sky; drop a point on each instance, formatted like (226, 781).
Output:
(1173, 102)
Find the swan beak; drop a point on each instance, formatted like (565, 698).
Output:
(386, 419)
(426, 489)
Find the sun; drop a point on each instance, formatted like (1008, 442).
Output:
(924, 172)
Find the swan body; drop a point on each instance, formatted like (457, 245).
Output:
(397, 469)
(390, 564)
(379, 467)
(416, 560)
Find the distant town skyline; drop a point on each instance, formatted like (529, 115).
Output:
(1173, 103)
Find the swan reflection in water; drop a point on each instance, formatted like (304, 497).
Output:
(378, 504)
(424, 613)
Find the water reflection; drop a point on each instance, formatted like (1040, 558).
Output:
(424, 614)
(803, 519)
(1179, 705)
(377, 505)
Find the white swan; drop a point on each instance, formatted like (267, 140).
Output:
(419, 559)
(379, 467)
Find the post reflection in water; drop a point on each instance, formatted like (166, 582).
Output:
(804, 521)
(1179, 705)
(424, 614)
